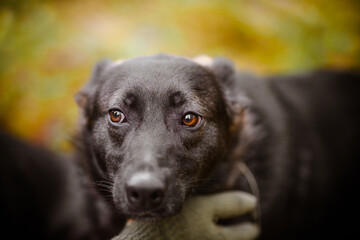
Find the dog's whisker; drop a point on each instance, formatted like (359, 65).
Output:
(104, 185)
(106, 190)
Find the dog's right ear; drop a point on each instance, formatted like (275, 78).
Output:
(83, 96)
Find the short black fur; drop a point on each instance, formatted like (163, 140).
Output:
(298, 135)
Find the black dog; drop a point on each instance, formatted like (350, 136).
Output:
(158, 129)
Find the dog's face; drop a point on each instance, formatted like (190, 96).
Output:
(158, 126)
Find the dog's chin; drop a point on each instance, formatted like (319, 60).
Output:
(153, 214)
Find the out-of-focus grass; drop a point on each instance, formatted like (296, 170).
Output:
(48, 47)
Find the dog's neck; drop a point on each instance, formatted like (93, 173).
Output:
(244, 139)
(87, 158)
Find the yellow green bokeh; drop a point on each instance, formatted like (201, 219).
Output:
(49, 47)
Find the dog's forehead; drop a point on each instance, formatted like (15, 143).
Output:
(172, 80)
(158, 71)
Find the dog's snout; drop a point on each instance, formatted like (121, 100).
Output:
(145, 191)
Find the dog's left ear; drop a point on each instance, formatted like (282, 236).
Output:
(222, 68)
(225, 74)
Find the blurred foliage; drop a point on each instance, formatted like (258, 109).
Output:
(48, 47)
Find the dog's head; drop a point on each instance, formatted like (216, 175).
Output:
(157, 126)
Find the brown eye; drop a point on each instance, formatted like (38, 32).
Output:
(116, 116)
(191, 120)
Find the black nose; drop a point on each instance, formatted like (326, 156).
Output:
(145, 191)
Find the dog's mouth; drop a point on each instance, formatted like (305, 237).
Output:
(146, 216)
(153, 214)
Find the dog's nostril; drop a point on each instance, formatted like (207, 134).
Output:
(156, 196)
(134, 196)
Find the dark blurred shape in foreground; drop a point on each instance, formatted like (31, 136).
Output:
(46, 196)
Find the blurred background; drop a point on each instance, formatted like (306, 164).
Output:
(48, 48)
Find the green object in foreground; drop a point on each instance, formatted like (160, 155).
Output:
(197, 220)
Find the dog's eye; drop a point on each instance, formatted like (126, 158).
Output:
(191, 120)
(116, 116)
